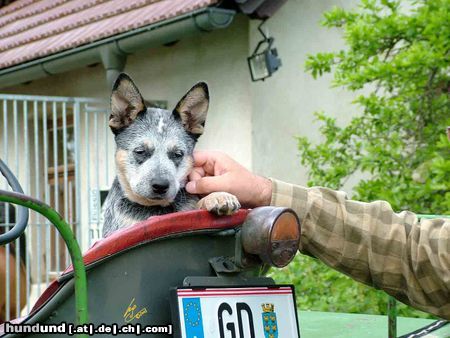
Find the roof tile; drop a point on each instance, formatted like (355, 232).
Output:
(33, 29)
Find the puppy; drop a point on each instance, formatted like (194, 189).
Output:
(154, 150)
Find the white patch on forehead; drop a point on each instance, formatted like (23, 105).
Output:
(161, 125)
(149, 144)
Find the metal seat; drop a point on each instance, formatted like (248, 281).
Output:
(157, 228)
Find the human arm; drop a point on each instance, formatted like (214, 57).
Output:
(367, 241)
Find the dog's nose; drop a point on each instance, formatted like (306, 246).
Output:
(160, 186)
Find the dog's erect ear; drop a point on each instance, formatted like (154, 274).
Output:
(126, 103)
(192, 109)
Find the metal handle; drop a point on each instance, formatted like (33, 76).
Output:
(81, 303)
(23, 213)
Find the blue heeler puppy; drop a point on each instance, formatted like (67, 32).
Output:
(154, 157)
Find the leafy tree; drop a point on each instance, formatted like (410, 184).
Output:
(396, 61)
(398, 56)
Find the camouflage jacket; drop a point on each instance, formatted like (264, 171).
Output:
(408, 259)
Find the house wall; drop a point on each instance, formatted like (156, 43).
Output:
(283, 105)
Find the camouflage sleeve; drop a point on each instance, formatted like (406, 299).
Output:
(408, 259)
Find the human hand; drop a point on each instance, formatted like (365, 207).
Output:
(215, 171)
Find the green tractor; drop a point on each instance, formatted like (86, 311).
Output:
(190, 275)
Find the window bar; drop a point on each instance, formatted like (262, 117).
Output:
(7, 248)
(66, 206)
(27, 191)
(37, 193)
(76, 130)
(56, 177)
(97, 174)
(17, 242)
(47, 191)
(88, 169)
(70, 217)
(106, 118)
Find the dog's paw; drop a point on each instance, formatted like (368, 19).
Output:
(220, 203)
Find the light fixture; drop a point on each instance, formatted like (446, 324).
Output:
(273, 234)
(263, 62)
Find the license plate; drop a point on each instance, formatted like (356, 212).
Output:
(241, 312)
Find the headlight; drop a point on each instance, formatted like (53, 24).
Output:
(273, 234)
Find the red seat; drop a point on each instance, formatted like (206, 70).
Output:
(158, 227)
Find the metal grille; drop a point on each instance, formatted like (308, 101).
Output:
(59, 148)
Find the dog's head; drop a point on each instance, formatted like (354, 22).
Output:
(155, 146)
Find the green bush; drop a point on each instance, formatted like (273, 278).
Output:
(396, 61)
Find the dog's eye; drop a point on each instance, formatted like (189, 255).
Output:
(176, 154)
(139, 151)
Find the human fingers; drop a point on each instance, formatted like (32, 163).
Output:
(196, 174)
(213, 162)
(207, 185)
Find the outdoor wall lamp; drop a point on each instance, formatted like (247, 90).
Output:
(263, 63)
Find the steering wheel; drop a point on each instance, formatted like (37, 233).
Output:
(23, 212)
